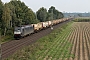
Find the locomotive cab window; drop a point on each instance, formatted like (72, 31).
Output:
(17, 30)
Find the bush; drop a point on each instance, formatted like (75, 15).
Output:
(9, 31)
(82, 20)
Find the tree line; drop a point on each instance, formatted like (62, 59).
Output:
(16, 13)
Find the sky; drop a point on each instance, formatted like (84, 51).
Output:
(61, 5)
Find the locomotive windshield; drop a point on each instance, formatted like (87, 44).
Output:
(17, 29)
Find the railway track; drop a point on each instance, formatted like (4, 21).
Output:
(10, 47)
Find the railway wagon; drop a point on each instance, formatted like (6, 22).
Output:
(57, 21)
(54, 22)
(23, 31)
(40, 26)
(49, 23)
(37, 27)
(45, 25)
(60, 20)
(65, 19)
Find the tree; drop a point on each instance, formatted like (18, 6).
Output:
(49, 16)
(80, 15)
(29, 17)
(24, 15)
(1, 12)
(6, 17)
(51, 12)
(55, 14)
(13, 14)
(42, 14)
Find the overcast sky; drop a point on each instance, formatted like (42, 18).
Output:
(61, 5)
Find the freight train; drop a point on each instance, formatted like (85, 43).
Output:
(22, 31)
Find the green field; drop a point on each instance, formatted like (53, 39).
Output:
(54, 46)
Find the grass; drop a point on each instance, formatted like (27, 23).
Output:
(6, 38)
(53, 46)
(82, 20)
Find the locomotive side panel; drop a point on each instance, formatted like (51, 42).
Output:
(28, 30)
